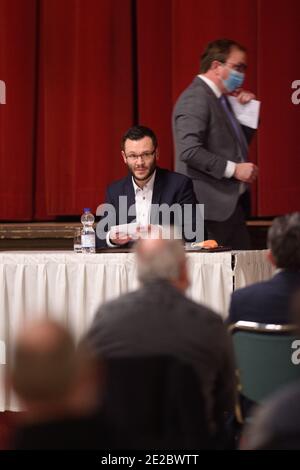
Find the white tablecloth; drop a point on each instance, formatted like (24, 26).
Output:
(70, 287)
(250, 267)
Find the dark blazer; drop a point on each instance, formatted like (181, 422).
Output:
(169, 188)
(265, 302)
(204, 141)
(158, 319)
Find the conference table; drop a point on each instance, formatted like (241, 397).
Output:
(69, 287)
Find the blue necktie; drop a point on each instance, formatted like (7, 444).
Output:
(236, 127)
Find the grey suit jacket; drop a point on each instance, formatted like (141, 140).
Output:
(159, 319)
(204, 141)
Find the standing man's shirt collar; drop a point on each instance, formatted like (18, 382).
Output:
(148, 186)
(211, 85)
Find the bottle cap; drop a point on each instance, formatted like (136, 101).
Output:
(86, 209)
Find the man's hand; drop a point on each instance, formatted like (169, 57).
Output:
(246, 172)
(244, 96)
(146, 231)
(120, 238)
(149, 231)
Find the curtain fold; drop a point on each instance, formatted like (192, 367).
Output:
(85, 101)
(279, 145)
(154, 79)
(17, 116)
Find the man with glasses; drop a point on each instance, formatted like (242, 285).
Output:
(146, 188)
(212, 147)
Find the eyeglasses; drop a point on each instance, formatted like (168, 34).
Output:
(144, 156)
(238, 67)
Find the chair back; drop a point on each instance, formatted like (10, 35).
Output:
(266, 357)
(155, 403)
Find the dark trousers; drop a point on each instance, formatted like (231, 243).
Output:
(232, 232)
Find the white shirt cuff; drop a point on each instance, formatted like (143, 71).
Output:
(230, 169)
(111, 245)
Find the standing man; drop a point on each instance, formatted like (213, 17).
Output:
(211, 146)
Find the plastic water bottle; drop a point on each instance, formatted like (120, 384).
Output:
(87, 232)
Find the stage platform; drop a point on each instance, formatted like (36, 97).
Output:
(59, 235)
(37, 235)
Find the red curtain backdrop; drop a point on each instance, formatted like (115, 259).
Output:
(85, 101)
(18, 71)
(278, 136)
(154, 58)
(78, 73)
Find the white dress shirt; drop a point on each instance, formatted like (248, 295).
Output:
(143, 200)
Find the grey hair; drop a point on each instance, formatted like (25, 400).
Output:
(165, 263)
(284, 241)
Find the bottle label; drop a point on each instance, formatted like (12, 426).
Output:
(88, 241)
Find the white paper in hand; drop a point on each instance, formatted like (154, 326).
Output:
(247, 114)
(136, 231)
(124, 229)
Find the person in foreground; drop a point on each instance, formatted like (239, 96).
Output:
(58, 390)
(159, 319)
(143, 197)
(212, 147)
(270, 301)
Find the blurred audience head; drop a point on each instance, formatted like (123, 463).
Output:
(162, 258)
(49, 375)
(284, 241)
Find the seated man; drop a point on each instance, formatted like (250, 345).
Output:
(158, 319)
(269, 301)
(148, 195)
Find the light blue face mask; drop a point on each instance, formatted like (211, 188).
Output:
(235, 80)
